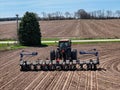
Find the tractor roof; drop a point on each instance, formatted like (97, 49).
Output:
(64, 40)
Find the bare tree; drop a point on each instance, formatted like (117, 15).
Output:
(100, 14)
(67, 15)
(83, 14)
(49, 15)
(109, 13)
(93, 14)
(44, 15)
(58, 15)
(75, 15)
(118, 13)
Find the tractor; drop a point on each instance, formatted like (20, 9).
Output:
(63, 58)
(64, 51)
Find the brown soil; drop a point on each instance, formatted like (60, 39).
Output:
(69, 28)
(107, 78)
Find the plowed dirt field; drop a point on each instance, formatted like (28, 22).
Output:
(69, 28)
(106, 78)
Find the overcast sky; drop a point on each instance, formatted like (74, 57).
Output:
(8, 8)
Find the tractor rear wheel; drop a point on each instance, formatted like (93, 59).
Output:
(52, 55)
(95, 67)
(57, 54)
(74, 54)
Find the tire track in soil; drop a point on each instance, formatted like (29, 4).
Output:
(108, 65)
(108, 78)
(26, 81)
(52, 84)
(56, 85)
(94, 81)
(108, 85)
(77, 28)
(104, 28)
(112, 24)
(35, 81)
(67, 29)
(97, 29)
(8, 77)
(8, 73)
(84, 32)
(91, 80)
(73, 29)
(91, 31)
(57, 27)
(111, 69)
(112, 75)
(8, 65)
(116, 67)
(104, 58)
(110, 31)
(42, 80)
(47, 87)
(108, 57)
(21, 81)
(82, 80)
(7, 54)
(2, 86)
(46, 81)
(7, 59)
(74, 81)
(87, 84)
(110, 61)
(86, 80)
(7, 68)
(68, 82)
(79, 80)
(60, 83)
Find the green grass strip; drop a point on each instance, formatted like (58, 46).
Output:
(10, 46)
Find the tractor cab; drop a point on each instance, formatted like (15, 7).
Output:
(64, 51)
(64, 44)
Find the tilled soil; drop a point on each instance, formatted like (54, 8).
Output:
(106, 78)
(68, 29)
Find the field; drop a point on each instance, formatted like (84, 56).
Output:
(106, 78)
(69, 29)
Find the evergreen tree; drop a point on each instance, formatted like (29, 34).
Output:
(29, 32)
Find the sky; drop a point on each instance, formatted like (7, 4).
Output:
(9, 8)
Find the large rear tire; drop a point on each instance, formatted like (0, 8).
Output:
(52, 55)
(95, 67)
(57, 54)
(74, 54)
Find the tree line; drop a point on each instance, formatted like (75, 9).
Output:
(80, 14)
